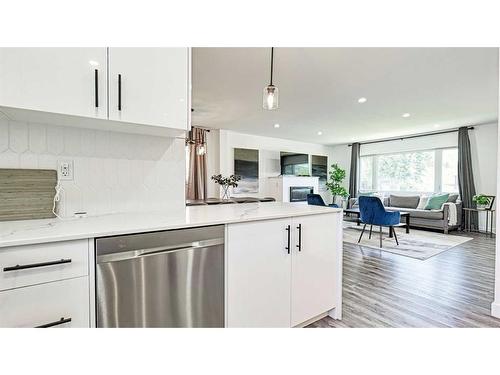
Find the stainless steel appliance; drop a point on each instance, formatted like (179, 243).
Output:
(161, 279)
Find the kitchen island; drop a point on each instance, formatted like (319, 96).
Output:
(282, 263)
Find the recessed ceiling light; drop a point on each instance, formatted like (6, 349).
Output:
(320, 133)
(276, 126)
(437, 125)
(93, 63)
(406, 115)
(362, 100)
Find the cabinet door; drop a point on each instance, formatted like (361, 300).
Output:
(62, 303)
(58, 80)
(314, 266)
(149, 86)
(258, 274)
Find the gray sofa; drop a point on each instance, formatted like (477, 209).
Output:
(432, 219)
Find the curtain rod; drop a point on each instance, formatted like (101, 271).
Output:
(411, 136)
(201, 127)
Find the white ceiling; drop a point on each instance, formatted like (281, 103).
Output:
(319, 90)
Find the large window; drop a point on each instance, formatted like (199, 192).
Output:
(417, 171)
(449, 170)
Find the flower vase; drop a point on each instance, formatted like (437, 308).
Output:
(225, 191)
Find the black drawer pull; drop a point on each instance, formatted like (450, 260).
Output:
(18, 267)
(119, 92)
(96, 87)
(287, 248)
(56, 323)
(300, 237)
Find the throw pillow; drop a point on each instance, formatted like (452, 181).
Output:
(422, 203)
(435, 202)
(404, 201)
(453, 198)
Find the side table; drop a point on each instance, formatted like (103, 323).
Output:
(490, 215)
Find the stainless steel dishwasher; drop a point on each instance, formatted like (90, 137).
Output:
(161, 279)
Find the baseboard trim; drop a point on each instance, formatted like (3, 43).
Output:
(312, 320)
(495, 309)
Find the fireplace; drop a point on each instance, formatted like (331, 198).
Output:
(299, 193)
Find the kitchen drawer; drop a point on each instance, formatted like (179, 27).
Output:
(48, 303)
(42, 263)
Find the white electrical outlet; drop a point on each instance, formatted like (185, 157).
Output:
(66, 170)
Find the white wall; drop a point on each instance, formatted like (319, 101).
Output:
(341, 155)
(269, 155)
(411, 144)
(113, 172)
(483, 141)
(495, 306)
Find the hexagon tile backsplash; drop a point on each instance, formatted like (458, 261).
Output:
(112, 172)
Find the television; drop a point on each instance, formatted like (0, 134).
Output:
(294, 164)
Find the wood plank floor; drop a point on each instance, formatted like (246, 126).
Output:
(452, 289)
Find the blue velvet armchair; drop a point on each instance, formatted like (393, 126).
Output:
(372, 212)
(316, 200)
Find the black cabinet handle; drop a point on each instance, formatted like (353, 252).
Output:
(300, 237)
(18, 267)
(56, 323)
(96, 87)
(119, 92)
(288, 242)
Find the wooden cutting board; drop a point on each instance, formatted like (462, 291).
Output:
(27, 193)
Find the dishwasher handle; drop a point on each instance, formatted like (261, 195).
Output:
(134, 254)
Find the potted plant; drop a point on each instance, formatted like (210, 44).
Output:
(226, 182)
(483, 201)
(337, 176)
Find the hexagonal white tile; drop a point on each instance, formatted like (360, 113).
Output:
(37, 138)
(18, 136)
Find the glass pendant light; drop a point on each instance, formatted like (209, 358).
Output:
(270, 97)
(201, 149)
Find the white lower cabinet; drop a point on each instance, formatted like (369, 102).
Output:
(271, 281)
(45, 285)
(258, 274)
(36, 264)
(63, 304)
(313, 267)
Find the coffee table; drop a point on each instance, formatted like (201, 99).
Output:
(406, 215)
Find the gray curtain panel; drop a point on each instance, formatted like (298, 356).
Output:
(196, 186)
(465, 174)
(354, 173)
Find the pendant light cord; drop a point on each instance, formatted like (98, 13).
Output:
(272, 58)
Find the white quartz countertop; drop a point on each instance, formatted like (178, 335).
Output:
(15, 233)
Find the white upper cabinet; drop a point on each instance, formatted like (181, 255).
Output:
(149, 86)
(69, 81)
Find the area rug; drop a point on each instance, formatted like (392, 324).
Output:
(417, 244)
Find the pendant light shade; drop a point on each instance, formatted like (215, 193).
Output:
(201, 149)
(270, 98)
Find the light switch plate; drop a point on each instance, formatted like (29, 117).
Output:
(65, 170)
